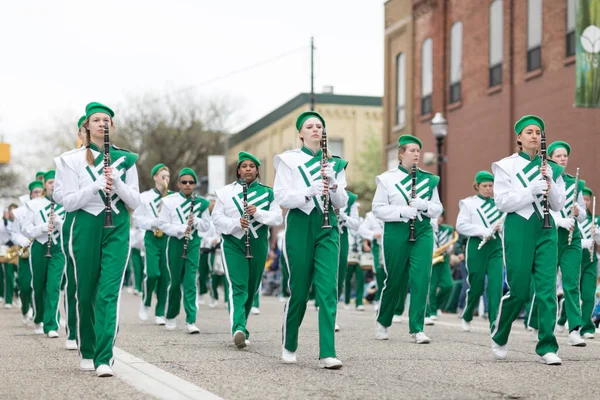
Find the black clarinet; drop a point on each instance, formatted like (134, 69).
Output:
(247, 218)
(413, 195)
(108, 220)
(326, 222)
(50, 232)
(546, 224)
(189, 228)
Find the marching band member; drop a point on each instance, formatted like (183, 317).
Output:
(590, 236)
(243, 216)
(441, 275)
(215, 267)
(311, 250)
(394, 204)
(530, 251)
(146, 217)
(285, 293)
(479, 220)
(569, 254)
(100, 254)
(355, 246)
(8, 269)
(183, 217)
(46, 260)
(39, 176)
(136, 262)
(371, 232)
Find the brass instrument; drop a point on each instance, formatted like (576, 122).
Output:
(12, 255)
(158, 232)
(438, 254)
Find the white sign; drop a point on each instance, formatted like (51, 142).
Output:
(216, 173)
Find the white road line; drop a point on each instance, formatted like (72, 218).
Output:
(150, 379)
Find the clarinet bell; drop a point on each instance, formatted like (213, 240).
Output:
(411, 237)
(326, 223)
(184, 253)
(108, 221)
(248, 252)
(546, 224)
(48, 252)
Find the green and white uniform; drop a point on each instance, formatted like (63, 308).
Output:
(136, 263)
(46, 272)
(354, 248)
(477, 218)
(569, 256)
(390, 203)
(348, 219)
(244, 275)
(311, 251)
(173, 221)
(530, 252)
(100, 255)
(24, 273)
(282, 265)
(370, 227)
(156, 274)
(440, 284)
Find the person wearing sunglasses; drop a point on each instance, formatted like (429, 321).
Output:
(183, 218)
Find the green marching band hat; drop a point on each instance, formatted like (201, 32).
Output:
(406, 139)
(528, 120)
(40, 173)
(306, 115)
(35, 184)
(80, 122)
(559, 143)
(484, 176)
(49, 175)
(95, 107)
(587, 191)
(242, 155)
(155, 169)
(188, 171)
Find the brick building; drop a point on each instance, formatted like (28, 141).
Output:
(484, 64)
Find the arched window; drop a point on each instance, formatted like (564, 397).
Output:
(400, 90)
(426, 75)
(496, 40)
(534, 34)
(455, 61)
(570, 39)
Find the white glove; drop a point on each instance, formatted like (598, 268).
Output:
(343, 217)
(58, 223)
(419, 204)
(316, 189)
(539, 186)
(330, 174)
(408, 212)
(549, 172)
(488, 232)
(98, 184)
(565, 223)
(44, 227)
(586, 243)
(181, 230)
(154, 223)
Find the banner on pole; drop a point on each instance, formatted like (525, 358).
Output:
(587, 34)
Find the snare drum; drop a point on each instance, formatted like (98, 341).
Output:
(353, 258)
(366, 261)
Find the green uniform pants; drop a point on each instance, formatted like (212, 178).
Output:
(256, 302)
(569, 261)
(400, 256)
(182, 272)
(379, 271)
(9, 282)
(312, 256)
(530, 253)
(440, 287)
(203, 273)
(25, 285)
(46, 275)
(216, 281)
(285, 276)
(156, 274)
(399, 310)
(243, 277)
(100, 256)
(589, 275)
(360, 284)
(342, 261)
(1, 282)
(137, 264)
(481, 263)
(70, 297)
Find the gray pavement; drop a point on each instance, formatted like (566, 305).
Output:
(456, 365)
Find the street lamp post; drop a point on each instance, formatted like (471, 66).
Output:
(439, 128)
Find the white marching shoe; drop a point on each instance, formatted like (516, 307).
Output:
(360, 308)
(381, 332)
(433, 317)
(534, 335)
(330, 363)
(466, 326)
(52, 334)
(192, 329)
(500, 352)
(588, 335)
(143, 313)
(397, 319)
(8, 306)
(213, 303)
(239, 339)
(420, 338)
(255, 311)
(71, 345)
(104, 371)
(550, 359)
(39, 329)
(86, 364)
(429, 321)
(575, 339)
(171, 324)
(159, 321)
(559, 329)
(337, 328)
(288, 357)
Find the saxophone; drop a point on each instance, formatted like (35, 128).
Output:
(158, 232)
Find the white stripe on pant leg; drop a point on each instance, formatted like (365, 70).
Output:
(66, 292)
(468, 282)
(384, 265)
(505, 297)
(170, 280)
(226, 267)
(531, 310)
(112, 359)
(32, 280)
(145, 288)
(287, 265)
(76, 286)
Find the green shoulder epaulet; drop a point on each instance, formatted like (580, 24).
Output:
(203, 203)
(130, 158)
(580, 186)
(557, 170)
(340, 163)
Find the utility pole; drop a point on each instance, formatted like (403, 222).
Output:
(312, 74)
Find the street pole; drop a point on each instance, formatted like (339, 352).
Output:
(440, 160)
(312, 74)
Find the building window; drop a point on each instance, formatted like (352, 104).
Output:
(400, 90)
(336, 147)
(570, 37)
(496, 40)
(534, 34)
(455, 61)
(426, 76)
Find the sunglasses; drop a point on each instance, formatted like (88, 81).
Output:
(187, 182)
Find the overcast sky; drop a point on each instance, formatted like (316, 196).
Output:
(58, 55)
